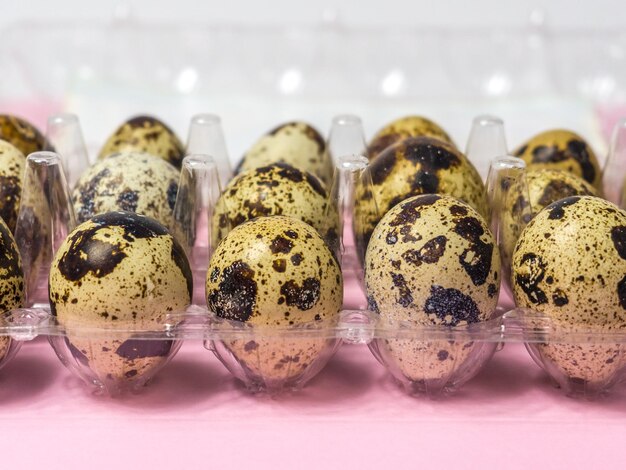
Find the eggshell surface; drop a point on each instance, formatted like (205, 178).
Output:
(124, 271)
(145, 134)
(275, 272)
(414, 166)
(570, 264)
(432, 261)
(296, 143)
(21, 133)
(11, 280)
(12, 163)
(400, 129)
(277, 189)
(127, 181)
(561, 149)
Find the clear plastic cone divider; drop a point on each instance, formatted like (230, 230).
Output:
(486, 141)
(64, 136)
(614, 171)
(45, 219)
(207, 138)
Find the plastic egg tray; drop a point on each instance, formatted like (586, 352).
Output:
(433, 360)
(487, 66)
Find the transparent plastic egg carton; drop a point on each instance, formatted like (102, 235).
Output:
(533, 79)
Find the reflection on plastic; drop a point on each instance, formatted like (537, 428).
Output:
(64, 136)
(206, 138)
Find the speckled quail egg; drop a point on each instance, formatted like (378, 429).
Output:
(123, 271)
(541, 188)
(127, 181)
(145, 134)
(296, 143)
(21, 133)
(400, 129)
(277, 189)
(275, 272)
(432, 261)
(570, 264)
(11, 280)
(12, 163)
(562, 150)
(417, 165)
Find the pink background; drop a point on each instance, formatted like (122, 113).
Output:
(351, 414)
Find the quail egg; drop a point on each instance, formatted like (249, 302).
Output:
(277, 189)
(562, 150)
(296, 143)
(400, 129)
(526, 198)
(431, 261)
(570, 264)
(274, 273)
(125, 272)
(12, 163)
(11, 280)
(127, 181)
(21, 133)
(417, 165)
(146, 134)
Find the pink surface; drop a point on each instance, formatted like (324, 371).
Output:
(352, 413)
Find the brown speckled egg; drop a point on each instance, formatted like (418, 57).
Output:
(146, 134)
(128, 181)
(562, 150)
(432, 261)
(544, 187)
(296, 143)
(11, 280)
(415, 166)
(118, 270)
(400, 129)
(275, 272)
(21, 133)
(12, 163)
(278, 189)
(570, 264)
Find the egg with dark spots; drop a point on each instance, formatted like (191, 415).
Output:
(400, 129)
(126, 272)
(570, 265)
(414, 166)
(276, 273)
(277, 189)
(530, 195)
(296, 143)
(11, 281)
(12, 164)
(21, 134)
(432, 261)
(127, 181)
(562, 150)
(146, 134)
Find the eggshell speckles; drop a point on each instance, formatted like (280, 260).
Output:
(544, 187)
(415, 166)
(400, 129)
(275, 272)
(145, 134)
(562, 150)
(570, 263)
(21, 133)
(11, 280)
(130, 181)
(296, 143)
(432, 261)
(11, 173)
(277, 189)
(118, 270)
